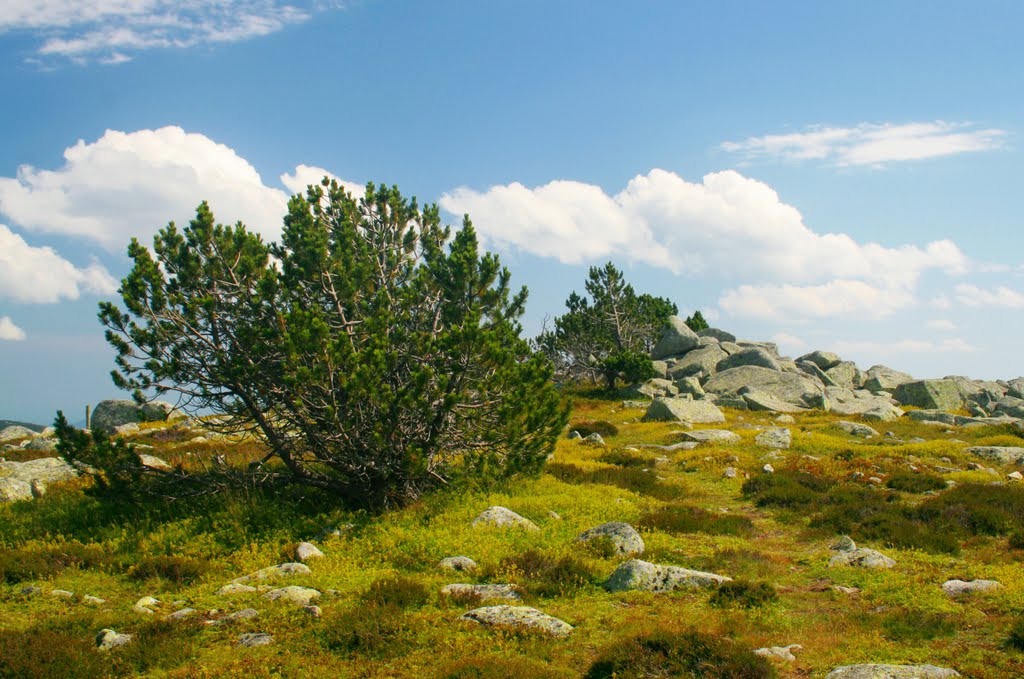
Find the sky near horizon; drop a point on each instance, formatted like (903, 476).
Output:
(840, 176)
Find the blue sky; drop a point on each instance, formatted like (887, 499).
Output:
(841, 175)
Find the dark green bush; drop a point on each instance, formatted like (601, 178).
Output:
(915, 482)
(588, 427)
(787, 489)
(680, 519)
(368, 629)
(48, 654)
(1015, 637)
(636, 480)
(909, 626)
(976, 509)
(400, 592)
(1016, 540)
(33, 563)
(625, 458)
(743, 594)
(178, 570)
(547, 576)
(664, 653)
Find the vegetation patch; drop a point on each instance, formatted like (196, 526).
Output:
(743, 594)
(626, 458)
(41, 562)
(680, 519)
(636, 480)
(545, 575)
(664, 653)
(367, 629)
(915, 482)
(600, 427)
(178, 570)
(398, 592)
(909, 626)
(788, 489)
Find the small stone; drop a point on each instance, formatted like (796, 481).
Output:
(501, 517)
(93, 600)
(958, 587)
(182, 614)
(730, 472)
(780, 652)
(235, 588)
(785, 418)
(62, 594)
(574, 435)
(306, 551)
(108, 639)
(293, 594)
(244, 614)
(594, 439)
(845, 544)
(145, 605)
(842, 589)
(461, 564)
(31, 590)
(253, 639)
(330, 532)
(1015, 476)
(280, 570)
(874, 480)
(768, 469)
(484, 592)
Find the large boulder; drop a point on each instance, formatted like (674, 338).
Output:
(758, 356)
(702, 360)
(654, 388)
(113, 413)
(710, 436)
(502, 517)
(771, 347)
(720, 335)
(26, 480)
(682, 410)
(846, 374)
(758, 400)
(798, 390)
(1009, 406)
(823, 359)
(15, 431)
(676, 339)
(1001, 454)
(937, 394)
(848, 554)
(981, 392)
(843, 401)
(649, 577)
(882, 378)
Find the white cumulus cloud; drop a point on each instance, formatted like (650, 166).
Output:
(835, 299)
(304, 175)
(9, 331)
(38, 275)
(973, 296)
(903, 347)
(872, 143)
(132, 184)
(109, 31)
(941, 324)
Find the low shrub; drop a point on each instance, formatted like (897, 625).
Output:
(1015, 637)
(976, 509)
(495, 666)
(545, 575)
(636, 480)
(625, 458)
(787, 489)
(743, 594)
(33, 563)
(1016, 540)
(369, 629)
(588, 427)
(400, 592)
(664, 653)
(178, 570)
(907, 626)
(915, 482)
(48, 654)
(681, 519)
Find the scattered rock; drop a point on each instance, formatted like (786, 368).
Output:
(329, 532)
(785, 418)
(776, 437)
(796, 391)
(730, 473)
(306, 551)
(654, 387)
(574, 435)
(484, 592)
(768, 469)
(278, 571)
(880, 378)
(594, 439)
(108, 639)
(62, 594)
(312, 611)
(182, 614)
(93, 600)
(958, 587)
(856, 429)
(113, 413)
(720, 335)
(244, 614)
(780, 652)
(1002, 454)
(641, 575)
(682, 410)
(235, 588)
(1015, 476)
(145, 605)
(848, 554)
(757, 356)
(842, 589)
(461, 564)
(519, 617)
(14, 432)
(710, 436)
(676, 339)
(253, 639)
(937, 394)
(623, 537)
(873, 671)
(503, 518)
(293, 595)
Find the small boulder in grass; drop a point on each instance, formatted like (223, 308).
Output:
(502, 517)
(779, 652)
(108, 639)
(960, 587)
(459, 564)
(623, 538)
(520, 618)
(880, 671)
(280, 570)
(254, 639)
(306, 551)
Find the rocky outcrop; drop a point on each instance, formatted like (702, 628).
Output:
(961, 587)
(710, 436)
(776, 437)
(699, 362)
(1002, 454)
(720, 335)
(683, 410)
(460, 564)
(622, 537)
(14, 432)
(937, 394)
(882, 378)
(113, 413)
(676, 339)
(26, 480)
(797, 390)
(750, 356)
(649, 577)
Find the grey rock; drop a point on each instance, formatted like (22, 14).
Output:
(856, 429)
(594, 439)
(574, 435)
(292, 594)
(30, 590)
(254, 639)
(797, 390)
(710, 436)
(642, 575)
(680, 410)
(780, 652)
(113, 413)
(676, 339)
(883, 413)
(768, 469)
(13, 490)
(842, 401)
(126, 429)
(235, 588)
(47, 470)
(876, 671)
(699, 361)
(770, 347)
(882, 378)
(937, 394)
(146, 605)
(519, 617)
(306, 551)
(1009, 406)
(312, 611)
(501, 517)
(690, 385)
(653, 388)
(244, 614)
(15, 432)
(846, 375)
(823, 359)
(461, 564)
(785, 418)
(331, 532)
(108, 639)
(932, 415)
(484, 592)
(958, 587)
(760, 401)
(720, 335)
(755, 356)
(278, 571)
(730, 473)
(814, 372)
(660, 369)
(62, 594)
(1002, 454)
(776, 437)
(848, 554)
(182, 614)
(40, 445)
(623, 537)
(154, 462)
(93, 600)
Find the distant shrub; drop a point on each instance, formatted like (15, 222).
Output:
(850, 505)
(588, 427)
(179, 570)
(625, 458)
(680, 519)
(636, 480)
(400, 592)
(913, 482)
(368, 629)
(547, 576)
(48, 654)
(494, 666)
(1015, 637)
(33, 563)
(907, 626)
(1016, 540)
(743, 594)
(786, 489)
(664, 653)
(735, 561)
(976, 509)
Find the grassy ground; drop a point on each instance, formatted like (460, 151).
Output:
(383, 616)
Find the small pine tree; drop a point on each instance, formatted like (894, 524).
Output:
(696, 322)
